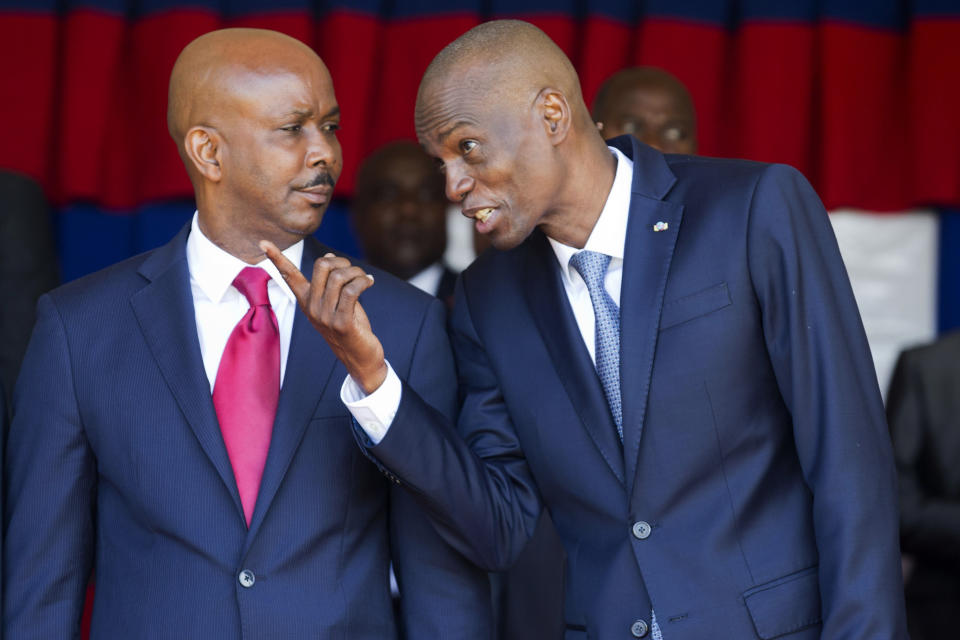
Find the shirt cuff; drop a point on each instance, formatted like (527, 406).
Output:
(375, 412)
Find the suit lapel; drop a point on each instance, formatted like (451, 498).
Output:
(310, 364)
(551, 311)
(648, 252)
(165, 313)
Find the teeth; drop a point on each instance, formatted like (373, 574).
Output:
(483, 214)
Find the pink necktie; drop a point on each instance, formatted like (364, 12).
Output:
(247, 388)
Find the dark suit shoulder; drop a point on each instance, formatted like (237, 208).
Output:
(730, 175)
(939, 358)
(106, 284)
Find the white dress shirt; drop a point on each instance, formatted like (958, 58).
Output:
(608, 237)
(428, 280)
(219, 305)
(375, 412)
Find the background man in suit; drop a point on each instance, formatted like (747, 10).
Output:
(28, 266)
(649, 104)
(400, 215)
(691, 395)
(181, 432)
(923, 408)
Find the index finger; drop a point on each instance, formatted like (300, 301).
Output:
(291, 274)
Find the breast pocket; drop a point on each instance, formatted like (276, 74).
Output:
(695, 305)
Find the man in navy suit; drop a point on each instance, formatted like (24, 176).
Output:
(666, 355)
(127, 455)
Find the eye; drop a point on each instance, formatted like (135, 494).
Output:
(292, 128)
(466, 146)
(674, 134)
(331, 127)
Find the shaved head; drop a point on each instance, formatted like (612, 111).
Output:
(205, 80)
(505, 59)
(254, 117)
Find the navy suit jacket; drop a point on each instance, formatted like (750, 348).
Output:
(116, 462)
(754, 493)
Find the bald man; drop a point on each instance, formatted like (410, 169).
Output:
(665, 354)
(649, 104)
(178, 425)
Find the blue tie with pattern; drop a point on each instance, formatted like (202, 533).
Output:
(592, 266)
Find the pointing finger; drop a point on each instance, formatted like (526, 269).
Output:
(296, 280)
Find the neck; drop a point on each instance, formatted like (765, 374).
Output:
(590, 173)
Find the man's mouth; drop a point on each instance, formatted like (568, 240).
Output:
(318, 194)
(486, 217)
(483, 214)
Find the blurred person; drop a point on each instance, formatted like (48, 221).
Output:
(399, 212)
(28, 266)
(923, 409)
(175, 424)
(664, 353)
(651, 105)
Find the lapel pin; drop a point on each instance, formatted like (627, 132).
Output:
(661, 226)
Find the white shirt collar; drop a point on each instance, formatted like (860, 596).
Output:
(609, 234)
(429, 279)
(213, 269)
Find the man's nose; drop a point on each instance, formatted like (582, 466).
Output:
(459, 184)
(322, 150)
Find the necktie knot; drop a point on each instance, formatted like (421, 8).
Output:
(252, 283)
(592, 267)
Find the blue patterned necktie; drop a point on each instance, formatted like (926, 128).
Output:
(592, 266)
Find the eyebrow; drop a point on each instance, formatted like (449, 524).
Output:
(443, 135)
(306, 113)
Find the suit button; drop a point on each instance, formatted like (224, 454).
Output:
(247, 578)
(641, 531)
(639, 629)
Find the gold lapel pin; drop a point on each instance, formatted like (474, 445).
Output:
(661, 226)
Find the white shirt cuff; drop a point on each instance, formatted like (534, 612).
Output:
(374, 413)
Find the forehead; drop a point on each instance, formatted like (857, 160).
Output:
(269, 91)
(468, 102)
(649, 98)
(410, 167)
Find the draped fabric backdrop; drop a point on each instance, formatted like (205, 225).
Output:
(862, 97)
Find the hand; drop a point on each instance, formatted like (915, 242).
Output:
(329, 300)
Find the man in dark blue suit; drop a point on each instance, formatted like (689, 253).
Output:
(138, 446)
(666, 355)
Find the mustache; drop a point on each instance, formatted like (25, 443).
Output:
(321, 179)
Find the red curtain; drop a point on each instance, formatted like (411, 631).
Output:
(871, 114)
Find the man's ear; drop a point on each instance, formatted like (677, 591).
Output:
(556, 114)
(203, 147)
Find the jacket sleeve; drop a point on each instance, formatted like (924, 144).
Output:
(51, 476)
(821, 360)
(442, 594)
(472, 478)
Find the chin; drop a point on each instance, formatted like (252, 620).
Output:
(510, 238)
(304, 223)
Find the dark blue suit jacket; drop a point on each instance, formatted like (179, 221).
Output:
(116, 462)
(754, 494)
